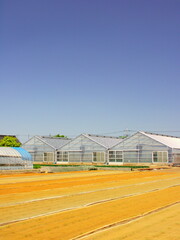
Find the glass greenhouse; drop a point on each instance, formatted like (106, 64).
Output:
(43, 149)
(86, 148)
(145, 147)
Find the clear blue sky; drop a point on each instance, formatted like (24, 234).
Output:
(89, 66)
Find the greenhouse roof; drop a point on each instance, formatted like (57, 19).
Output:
(15, 152)
(24, 154)
(170, 141)
(9, 152)
(105, 141)
(54, 142)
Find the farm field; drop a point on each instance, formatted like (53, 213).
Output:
(91, 205)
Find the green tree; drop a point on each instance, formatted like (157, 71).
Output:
(60, 136)
(9, 141)
(122, 137)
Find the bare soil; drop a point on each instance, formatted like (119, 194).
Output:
(90, 205)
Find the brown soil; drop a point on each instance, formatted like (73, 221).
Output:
(95, 199)
(161, 225)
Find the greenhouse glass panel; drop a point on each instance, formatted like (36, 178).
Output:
(119, 156)
(160, 157)
(131, 156)
(99, 157)
(48, 157)
(115, 156)
(112, 157)
(75, 156)
(176, 158)
(87, 157)
(62, 156)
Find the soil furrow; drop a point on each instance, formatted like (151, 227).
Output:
(126, 221)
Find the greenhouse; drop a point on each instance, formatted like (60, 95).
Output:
(143, 147)
(86, 148)
(15, 158)
(43, 149)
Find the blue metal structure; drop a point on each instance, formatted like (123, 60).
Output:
(25, 155)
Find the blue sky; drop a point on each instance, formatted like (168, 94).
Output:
(89, 66)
